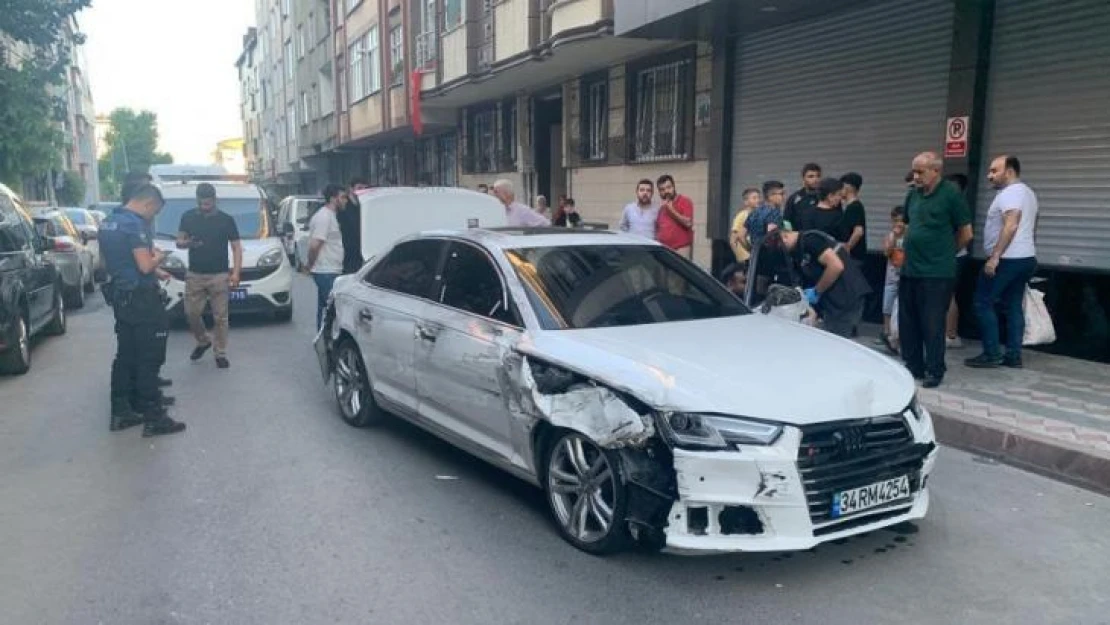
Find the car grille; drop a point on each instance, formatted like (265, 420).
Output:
(848, 454)
(247, 274)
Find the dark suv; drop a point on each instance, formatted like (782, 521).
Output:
(30, 287)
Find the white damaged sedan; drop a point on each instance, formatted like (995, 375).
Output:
(647, 401)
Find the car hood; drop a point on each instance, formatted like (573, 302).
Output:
(754, 366)
(252, 249)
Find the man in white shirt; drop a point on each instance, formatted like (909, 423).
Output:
(325, 248)
(1011, 261)
(517, 214)
(640, 217)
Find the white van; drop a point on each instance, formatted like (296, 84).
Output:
(389, 213)
(293, 215)
(266, 278)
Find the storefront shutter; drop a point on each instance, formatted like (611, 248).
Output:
(863, 90)
(1049, 105)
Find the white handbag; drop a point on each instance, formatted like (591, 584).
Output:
(1038, 323)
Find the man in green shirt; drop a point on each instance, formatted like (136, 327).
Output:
(938, 224)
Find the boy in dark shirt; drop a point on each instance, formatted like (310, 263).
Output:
(827, 215)
(853, 226)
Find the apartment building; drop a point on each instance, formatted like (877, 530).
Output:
(250, 105)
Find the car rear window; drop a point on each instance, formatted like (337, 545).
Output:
(596, 286)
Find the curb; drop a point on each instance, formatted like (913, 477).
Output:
(1040, 455)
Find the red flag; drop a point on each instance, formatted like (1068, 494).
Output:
(414, 99)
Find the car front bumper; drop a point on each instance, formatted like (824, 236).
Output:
(270, 294)
(759, 499)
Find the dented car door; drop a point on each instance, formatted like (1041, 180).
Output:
(462, 344)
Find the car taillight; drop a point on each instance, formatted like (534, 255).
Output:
(61, 245)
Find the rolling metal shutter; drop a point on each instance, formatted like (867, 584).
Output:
(864, 90)
(1049, 104)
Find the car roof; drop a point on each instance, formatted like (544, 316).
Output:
(516, 237)
(225, 190)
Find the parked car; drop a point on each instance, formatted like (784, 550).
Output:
(88, 225)
(293, 215)
(648, 401)
(30, 287)
(76, 261)
(266, 279)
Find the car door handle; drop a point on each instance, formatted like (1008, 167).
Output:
(366, 315)
(426, 333)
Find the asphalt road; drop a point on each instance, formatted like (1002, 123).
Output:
(270, 510)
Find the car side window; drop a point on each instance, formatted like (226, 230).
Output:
(471, 283)
(14, 236)
(409, 268)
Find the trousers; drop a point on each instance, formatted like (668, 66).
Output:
(922, 310)
(142, 327)
(211, 289)
(1004, 290)
(324, 283)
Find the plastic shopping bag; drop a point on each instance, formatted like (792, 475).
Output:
(1038, 323)
(788, 303)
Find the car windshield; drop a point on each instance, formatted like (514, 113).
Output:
(595, 286)
(249, 215)
(78, 217)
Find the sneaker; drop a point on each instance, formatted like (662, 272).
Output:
(882, 340)
(954, 342)
(161, 424)
(983, 361)
(931, 381)
(222, 363)
(199, 351)
(1013, 362)
(164, 382)
(168, 401)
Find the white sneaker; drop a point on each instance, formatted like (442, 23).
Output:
(954, 343)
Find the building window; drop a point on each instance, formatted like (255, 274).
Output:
(304, 108)
(356, 82)
(448, 166)
(452, 13)
(396, 55)
(481, 138)
(374, 58)
(661, 103)
(301, 44)
(286, 7)
(350, 5)
(508, 136)
(292, 115)
(595, 118)
(290, 65)
(428, 38)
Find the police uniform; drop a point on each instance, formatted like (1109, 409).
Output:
(142, 323)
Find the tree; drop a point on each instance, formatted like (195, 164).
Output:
(131, 145)
(72, 192)
(29, 139)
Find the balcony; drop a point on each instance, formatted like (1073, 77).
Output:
(561, 17)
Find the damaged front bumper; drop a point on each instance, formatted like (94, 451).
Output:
(775, 498)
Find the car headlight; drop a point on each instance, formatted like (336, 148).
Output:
(705, 431)
(173, 263)
(271, 258)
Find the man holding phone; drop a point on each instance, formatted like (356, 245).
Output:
(206, 232)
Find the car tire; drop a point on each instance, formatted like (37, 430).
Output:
(57, 325)
(75, 295)
(583, 485)
(17, 360)
(353, 393)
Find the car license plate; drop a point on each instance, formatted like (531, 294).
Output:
(874, 495)
(238, 295)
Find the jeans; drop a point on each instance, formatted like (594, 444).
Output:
(324, 283)
(141, 330)
(1006, 291)
(922, 311)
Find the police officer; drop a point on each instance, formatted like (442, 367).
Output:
(141, 319)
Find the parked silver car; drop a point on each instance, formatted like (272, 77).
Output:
(88, 226)
(68, 252)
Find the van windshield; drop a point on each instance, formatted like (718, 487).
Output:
(249, 215)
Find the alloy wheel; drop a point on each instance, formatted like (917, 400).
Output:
(582, 487)
(349, 384)
(24, 341)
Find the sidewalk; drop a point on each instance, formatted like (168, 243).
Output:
(1052, 417)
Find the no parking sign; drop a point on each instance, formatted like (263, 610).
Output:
(955, 141)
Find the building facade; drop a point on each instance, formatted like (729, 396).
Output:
(970, 80)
